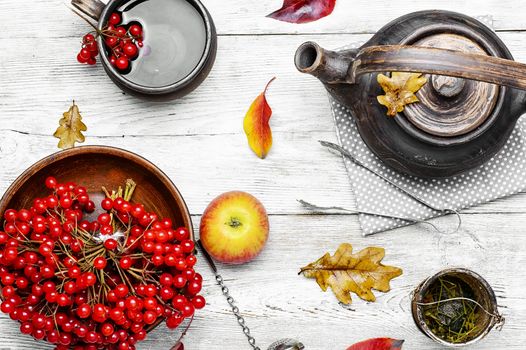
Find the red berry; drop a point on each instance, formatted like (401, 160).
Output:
(88, 38)
(111, 41)
(174, 321)
(106, 229)
(26, 328)
(110, 244)
(126, 262)
(120, 31)
(188, 246)
(100, 313)
(117, 203)
(181, 234)
(107, 204)
(114, 19)
(10, 215)
(104, 219)
(116, 314)
(180, 264)
(100, 263)
(179, 281)
(92, 48)
(51, 202)
(191, 260)
(188, 310)
(89, 279)
(198, 278)
(130, 50)
(89, 207)
(193, 287)
(66, 202)
(39, 321)
(84, 311)
(135, 30)
(121, 290)
(166, 279)
(122, 63)
(85, 54)
(166, 293)
(81, 59)
(106, 329)
(51, 182)
(113, 60)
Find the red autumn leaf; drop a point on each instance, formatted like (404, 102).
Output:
(378, 344)
(256, 125)
(303, 11)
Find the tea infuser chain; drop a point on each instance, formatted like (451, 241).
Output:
(231, 302)
(411, 194)
(283, 344)
(499, 319)
(414, 221)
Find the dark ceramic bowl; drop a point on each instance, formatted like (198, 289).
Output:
(101, 12)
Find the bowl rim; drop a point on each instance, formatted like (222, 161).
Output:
(95, 149)
(417, 294)
(211, 38)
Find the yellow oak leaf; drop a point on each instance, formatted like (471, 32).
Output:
(358, 273)
(399, 90)
(70, 128)
(256, 125)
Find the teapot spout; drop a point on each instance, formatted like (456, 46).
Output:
(329, 67)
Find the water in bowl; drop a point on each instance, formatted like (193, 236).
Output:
(174, 40)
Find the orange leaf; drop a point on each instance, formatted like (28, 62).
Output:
(256, 125)
(378, 344)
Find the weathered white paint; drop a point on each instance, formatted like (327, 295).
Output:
(199, 142)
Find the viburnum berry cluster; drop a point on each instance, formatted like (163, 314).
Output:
(122, 42)
(98, 284)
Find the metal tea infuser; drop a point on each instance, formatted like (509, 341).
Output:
(282, 344)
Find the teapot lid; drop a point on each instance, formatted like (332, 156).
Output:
(449, 106)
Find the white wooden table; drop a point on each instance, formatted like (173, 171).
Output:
(199, 142)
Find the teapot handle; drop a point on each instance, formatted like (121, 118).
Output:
(399, 58)
(91, 8)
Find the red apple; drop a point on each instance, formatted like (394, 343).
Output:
(234, 227)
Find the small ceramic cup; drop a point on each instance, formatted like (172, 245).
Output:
(483, 294)
(101, 13)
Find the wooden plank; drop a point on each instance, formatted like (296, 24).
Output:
(37, 86)
(35, 89)
(208, 122)
(248, 17)
(296, 307)
(297, 168)
(204, 166)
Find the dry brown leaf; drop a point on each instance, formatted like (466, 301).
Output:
(71, 128)
(399, 90)
(346, 272)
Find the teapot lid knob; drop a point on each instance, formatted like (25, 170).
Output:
(447, 86)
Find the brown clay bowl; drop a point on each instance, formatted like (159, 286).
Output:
(97, 166)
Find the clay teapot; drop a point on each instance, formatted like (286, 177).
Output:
(468, 108)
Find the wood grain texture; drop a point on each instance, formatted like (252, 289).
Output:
(247, 17)
(199, 142)
(279, 303)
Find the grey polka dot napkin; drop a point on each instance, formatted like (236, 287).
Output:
(500, 177)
